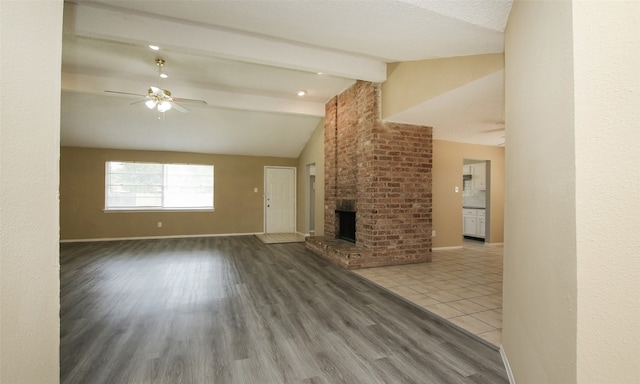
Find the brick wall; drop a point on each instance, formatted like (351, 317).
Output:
(386, 168)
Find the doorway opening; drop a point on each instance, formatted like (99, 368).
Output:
(476, 202)
(311, 199)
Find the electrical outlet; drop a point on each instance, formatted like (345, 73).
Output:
(433, 233)
(159, 224)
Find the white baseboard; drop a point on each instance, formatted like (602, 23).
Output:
(507, 367)
(159, 237)
(445, 248)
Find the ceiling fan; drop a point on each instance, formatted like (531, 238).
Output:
(500, 129)
(161, 99)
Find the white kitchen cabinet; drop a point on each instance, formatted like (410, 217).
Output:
(481, 227)
(473, 222)
(469, 225)
(479, 176)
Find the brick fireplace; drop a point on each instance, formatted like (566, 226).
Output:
(382, 173)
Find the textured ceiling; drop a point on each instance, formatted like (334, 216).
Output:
(248, 59)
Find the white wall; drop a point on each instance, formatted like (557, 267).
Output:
(572, 261)
(607, 136)
(31, 46)
(539, 300)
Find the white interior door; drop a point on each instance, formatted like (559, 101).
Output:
(280, 200)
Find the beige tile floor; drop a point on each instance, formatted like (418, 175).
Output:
(462, 285)
(275, 238)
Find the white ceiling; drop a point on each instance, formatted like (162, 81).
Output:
(473, 113)
(248, 59)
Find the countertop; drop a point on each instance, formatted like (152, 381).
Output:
(466, 207)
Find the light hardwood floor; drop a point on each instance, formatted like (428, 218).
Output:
(234, 310)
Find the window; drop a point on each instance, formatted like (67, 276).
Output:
(154, 186)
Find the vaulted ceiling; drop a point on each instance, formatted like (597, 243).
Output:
(249, 59)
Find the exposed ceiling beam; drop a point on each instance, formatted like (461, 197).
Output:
(242, 101)
(113, 24)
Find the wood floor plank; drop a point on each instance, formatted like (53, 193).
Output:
(232, 310)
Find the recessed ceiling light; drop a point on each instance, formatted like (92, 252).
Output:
(154, 47)
(164, 75)
(319, 73)
(302, 93)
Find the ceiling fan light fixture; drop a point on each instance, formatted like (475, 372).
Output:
(150, 104)
(164, 106)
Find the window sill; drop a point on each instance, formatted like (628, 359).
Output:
(137, 210)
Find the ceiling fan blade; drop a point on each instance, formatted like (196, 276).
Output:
(494, 130)
(138, 102)
(179, 107)
(126, 93)
(190, 101)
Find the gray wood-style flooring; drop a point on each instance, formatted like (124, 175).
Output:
(234, 310)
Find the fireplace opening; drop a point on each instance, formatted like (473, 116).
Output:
(347, 225)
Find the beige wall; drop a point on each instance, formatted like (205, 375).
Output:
(447, 173)
(540, 296)
(414, 82)
(447, 204)
(571, 270)
(607, 139)
(238, 209)
(31, 33)
(313, 153)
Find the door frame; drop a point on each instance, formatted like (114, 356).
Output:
(295, 196)
(310, 218)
